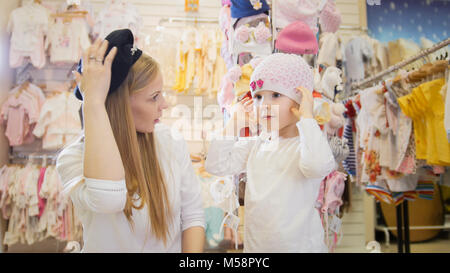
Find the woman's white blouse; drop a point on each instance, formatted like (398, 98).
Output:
(99, 204)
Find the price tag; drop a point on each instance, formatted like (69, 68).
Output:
(232, 221)
(335, 224)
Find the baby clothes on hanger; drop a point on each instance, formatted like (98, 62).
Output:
(328, 203)
(380, 59)
(370, 124)
(5, 197)
(118, 15)
(410, 187)
(185, 68)
(426, 107)
(349, 163)
(28, 25)
(357, 51)
(20, 112)
(20, 193)
(67, 41)
(329, 51)
(59, 122)
(220, 67)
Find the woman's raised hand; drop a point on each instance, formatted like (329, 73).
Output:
(95, 81)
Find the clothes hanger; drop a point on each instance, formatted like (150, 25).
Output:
(195, 158)
(438, 69)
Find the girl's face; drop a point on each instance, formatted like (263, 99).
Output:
(273, 108)
(147, 105)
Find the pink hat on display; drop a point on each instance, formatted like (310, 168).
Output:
(282, 73)
(330, 17)
(297, 38)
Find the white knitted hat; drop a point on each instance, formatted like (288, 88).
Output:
(282, 73)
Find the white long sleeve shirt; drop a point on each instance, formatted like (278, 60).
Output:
(282, 187)
(99, 204)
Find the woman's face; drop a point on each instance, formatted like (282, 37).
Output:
(147, 105)
(274, 110)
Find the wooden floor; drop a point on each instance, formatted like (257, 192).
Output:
(353, 240)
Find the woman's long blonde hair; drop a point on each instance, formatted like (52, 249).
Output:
(138, 152)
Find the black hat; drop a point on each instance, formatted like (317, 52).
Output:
(126, 56)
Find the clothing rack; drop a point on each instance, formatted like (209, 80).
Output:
(402, 214)
(345, 27)
(392, 68)
(45, 157)
(188, 19)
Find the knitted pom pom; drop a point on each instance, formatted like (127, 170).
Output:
(262, 33)
(242, 34)
(234, 73)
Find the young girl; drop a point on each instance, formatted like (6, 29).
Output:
(282, 183)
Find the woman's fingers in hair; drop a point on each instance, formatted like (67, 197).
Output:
(91, 52)
(110, 57)
(101, 51)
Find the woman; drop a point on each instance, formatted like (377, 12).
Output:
(132, 184)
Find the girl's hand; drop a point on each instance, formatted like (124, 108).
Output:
(243, 112)
(307, 104)
(96, 78)
(241, 116)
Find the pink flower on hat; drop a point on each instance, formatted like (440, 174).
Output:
(262, 33)
(260, 83)
(283, 73)
(242, 34)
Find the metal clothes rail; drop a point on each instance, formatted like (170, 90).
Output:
(401, 64)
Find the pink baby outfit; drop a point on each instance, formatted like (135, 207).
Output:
(67, 41)
(28, 25)
(329, 201)
(41, 201)
(20, 112)
(59, 122)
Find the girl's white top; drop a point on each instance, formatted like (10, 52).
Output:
(99, 204)
(283, 181)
